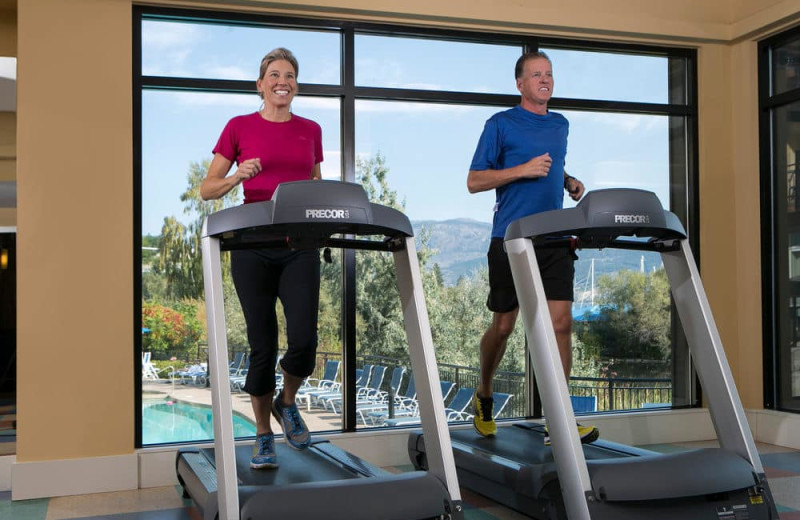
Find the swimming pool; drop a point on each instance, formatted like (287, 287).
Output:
(178, 421)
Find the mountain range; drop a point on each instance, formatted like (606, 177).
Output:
(460, 247)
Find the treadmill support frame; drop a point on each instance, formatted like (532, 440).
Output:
(423, 364)
(705, 347)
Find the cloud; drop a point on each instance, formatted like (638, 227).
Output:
(229, 72)
(627, 123)
(332, 165)
(168, 35)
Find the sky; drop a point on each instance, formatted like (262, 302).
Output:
(428, 147)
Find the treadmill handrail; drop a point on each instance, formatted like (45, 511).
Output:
(300, 216)
(601, 217)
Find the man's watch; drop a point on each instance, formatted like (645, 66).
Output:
(566, 181)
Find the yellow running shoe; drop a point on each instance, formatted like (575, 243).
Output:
(484, 416)
(588, 434)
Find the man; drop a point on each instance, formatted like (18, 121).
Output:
(521, 155)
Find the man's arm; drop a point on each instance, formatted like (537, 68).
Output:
(484, 180)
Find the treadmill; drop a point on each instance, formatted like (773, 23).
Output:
(322, 481)
(605, 480)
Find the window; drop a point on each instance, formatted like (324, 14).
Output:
(779, 59)
(401, 114)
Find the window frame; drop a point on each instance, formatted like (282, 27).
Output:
(683, 181)
(768, 103)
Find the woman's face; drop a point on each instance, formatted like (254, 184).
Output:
(279, 84)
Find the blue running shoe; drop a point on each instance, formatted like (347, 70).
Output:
(294, 428)
(264, 452)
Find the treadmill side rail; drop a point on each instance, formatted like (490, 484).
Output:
(423, 364)
(706, 349)
(567, 451)
(222, 411)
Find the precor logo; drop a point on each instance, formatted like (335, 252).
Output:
(631, 219)
(328, 213)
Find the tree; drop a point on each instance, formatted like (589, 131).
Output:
(380, 320)
(634, 320)
(179, 258)
(170, 330)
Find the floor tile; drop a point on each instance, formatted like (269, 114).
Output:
(779, 473)
(23, 509)
(169, 514)
(786, 491)
(82, 506)
(785, 461)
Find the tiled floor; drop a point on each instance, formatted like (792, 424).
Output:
(782, 466)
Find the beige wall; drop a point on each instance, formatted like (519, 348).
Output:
(74, 173)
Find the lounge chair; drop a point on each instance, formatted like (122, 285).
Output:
(149, 371)
(238, 374)
(370, 413)
(383, 396)
(194, 374)
(583, 403)
(329, 376)
(453, 412)
(411, 407)
(372, 388)
(335, 391)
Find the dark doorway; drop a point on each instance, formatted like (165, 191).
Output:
(8, 340)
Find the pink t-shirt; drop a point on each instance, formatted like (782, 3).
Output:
(288, 150)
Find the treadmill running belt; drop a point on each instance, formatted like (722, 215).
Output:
(524, 444)
(294, 467)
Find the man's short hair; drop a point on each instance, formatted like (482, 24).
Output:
(528, 56)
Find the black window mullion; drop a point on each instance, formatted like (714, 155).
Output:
(137, 225)
(349, 260)
(768, 268)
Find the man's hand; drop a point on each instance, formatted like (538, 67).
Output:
(574, 187)
(536, 167)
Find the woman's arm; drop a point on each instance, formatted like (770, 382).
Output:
(217, 182)
(316, 172)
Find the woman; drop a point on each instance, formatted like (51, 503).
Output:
(269, 147)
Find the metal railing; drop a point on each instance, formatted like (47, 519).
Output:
(613, 393)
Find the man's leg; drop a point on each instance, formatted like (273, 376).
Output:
(561, 315)
(493, 346)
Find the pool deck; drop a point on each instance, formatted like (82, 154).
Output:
(317, 419)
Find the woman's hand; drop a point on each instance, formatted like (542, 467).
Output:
(248, 169)
(217, 182)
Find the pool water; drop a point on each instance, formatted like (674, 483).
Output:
(177, 421)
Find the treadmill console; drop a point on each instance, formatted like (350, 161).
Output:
(601, 218)
(306, 214)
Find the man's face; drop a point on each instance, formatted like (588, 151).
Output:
(536, 83)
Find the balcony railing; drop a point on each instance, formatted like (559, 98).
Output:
(614, 393)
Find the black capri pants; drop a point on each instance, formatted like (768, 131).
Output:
(261, 276)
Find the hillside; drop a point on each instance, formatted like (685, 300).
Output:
(460, 247)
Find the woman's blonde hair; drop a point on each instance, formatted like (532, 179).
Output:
(274, 55)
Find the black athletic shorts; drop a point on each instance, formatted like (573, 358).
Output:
(557, 267)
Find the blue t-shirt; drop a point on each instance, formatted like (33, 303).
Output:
(511, 138)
